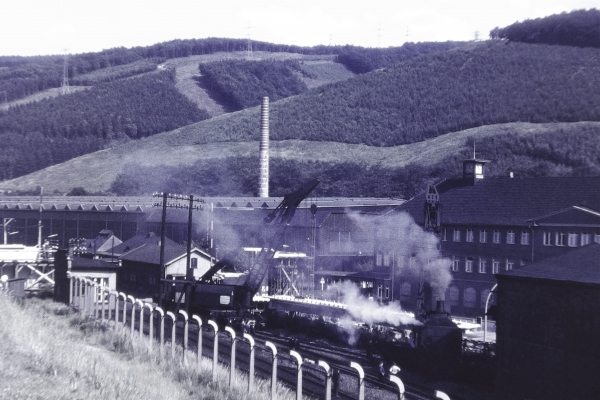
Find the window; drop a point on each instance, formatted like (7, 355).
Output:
(560, 238)
(509, 264)
(586, 238)
(452, 296)
(510, 237)
(495, 266)
(597, 238)
(387, 292)
(470, 235)
(469, 298)
(482, 265)
(194, 263)
(379, 291)
(573, 239)
(469, 264)
(386, 259)
(525, 238)
(548, 236)
(496, 236)
(455, 263)
(483, 236)
(456, 236)
(445, 235)
(378, 259)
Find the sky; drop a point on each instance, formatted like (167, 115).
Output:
(42, 27)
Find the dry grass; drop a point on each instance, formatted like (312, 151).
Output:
(96, 171)
(48, 351)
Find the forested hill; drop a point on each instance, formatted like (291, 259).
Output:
(490, 83)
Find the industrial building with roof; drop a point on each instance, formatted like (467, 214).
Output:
(494, 224)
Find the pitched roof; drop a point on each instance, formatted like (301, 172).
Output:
(150, 253)
(508, 201)
(569, 216)
(138, 240)
(581, 265)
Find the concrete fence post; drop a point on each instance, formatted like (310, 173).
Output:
(215, 349)
(273, 369)
(79, 290)
(141, 326)
(130, 297)
(299, 372)
(325, 366)
(361, 380)
(232, 361)
(161, 339)
(174, 318)
(185, 333)
(150, 324)
(199, 322)
(250, 339)
(71, 288)
(400, 385)
(94, 302)
(124, 318)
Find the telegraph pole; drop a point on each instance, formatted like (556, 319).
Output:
(193, 204)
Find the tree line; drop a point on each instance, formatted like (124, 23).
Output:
(580, 28)
(40, 134)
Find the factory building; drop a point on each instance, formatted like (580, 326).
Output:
(493, 224)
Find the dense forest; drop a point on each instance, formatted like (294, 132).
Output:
(488, 83)
(239, 84)
(360, 60)
(23, 76)
(580, 28)
(550, 154)
(51, 131)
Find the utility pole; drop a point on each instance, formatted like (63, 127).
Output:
(193, 204)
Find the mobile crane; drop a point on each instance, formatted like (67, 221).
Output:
(206, 295)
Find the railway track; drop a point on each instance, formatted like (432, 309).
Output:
(313, 382)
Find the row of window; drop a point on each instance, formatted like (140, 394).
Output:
(469, 299)
(483, 267)
(571, 239)
(496, 237)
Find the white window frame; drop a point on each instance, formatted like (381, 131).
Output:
(456, 235)
(572, 239)
(548, 238)
(559, 239)
(469, 265)
(586, 238)
(510, 265)
(444, 235)
(525, 238)
(496, 237)
(482, 265)
(510, 237)
(455, 263)
(470, 236)
(495, 266)
(483, 236)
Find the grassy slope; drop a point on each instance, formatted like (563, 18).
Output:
(49, 352)
(96, 171)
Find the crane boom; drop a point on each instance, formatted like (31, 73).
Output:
(282, 214)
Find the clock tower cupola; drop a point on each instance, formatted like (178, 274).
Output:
(474, 169)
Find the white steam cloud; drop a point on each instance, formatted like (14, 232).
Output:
(412, 251)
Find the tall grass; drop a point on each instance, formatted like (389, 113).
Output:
(48, 351)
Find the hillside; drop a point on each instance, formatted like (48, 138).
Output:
(177, 159)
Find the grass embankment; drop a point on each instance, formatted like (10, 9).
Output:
(48, 351)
